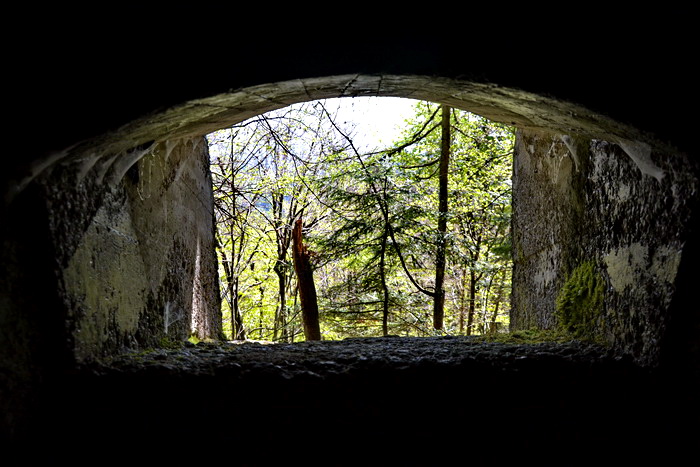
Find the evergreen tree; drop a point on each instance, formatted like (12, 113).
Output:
(410, 239)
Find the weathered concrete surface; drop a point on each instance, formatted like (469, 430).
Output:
(106, 254)
(623, 206)
(143, 268)
(101, 164)
(201, 116)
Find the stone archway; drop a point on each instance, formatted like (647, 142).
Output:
(527, 111)
(552, 132)
(567, 162)
(92, 192)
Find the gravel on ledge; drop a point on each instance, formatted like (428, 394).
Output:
(323, 357)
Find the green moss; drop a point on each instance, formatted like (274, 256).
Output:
(580, 302)
(529, 336)
(169, 344)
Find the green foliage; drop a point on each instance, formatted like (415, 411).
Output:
(478, 236)
(580, 301)
(370, 219)
(194, 340)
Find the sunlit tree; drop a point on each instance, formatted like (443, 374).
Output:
(408, 239)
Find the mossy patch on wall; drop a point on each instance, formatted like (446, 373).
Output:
(580, 301)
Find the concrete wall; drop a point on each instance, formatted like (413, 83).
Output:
(620, 207)
(103, 254)
(143, 268)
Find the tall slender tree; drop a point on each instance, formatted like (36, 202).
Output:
(443, 171)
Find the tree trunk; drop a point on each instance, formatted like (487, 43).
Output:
(261, 306)
(462, 302)
(237, 330)
(382, 275)
(474, 279)
(280, 326)
(307, 289)
(472, 301)
(439, 298)
(293, 331)
(493, 325)
(282, 240)
(233, 273)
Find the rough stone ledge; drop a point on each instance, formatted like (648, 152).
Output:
(375, 401)
(324, 358)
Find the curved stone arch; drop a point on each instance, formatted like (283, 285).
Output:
(119, 149)
(555, 122)
(110, 156)
(516, 107)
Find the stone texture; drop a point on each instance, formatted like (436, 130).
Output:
(135, 240)
(621, 205)
(376, 401)
(545, 222)
(201, 116)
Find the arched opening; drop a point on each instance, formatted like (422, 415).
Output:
(106, 202)
(323, 162)
(563, 151)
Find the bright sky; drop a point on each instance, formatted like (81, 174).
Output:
(379, 119)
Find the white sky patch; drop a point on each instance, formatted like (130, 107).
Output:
(378, 120)
(372, 122)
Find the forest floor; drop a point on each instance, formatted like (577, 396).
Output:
(380, 401)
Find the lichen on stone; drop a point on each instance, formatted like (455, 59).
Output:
(580, 301)
(625, 264)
